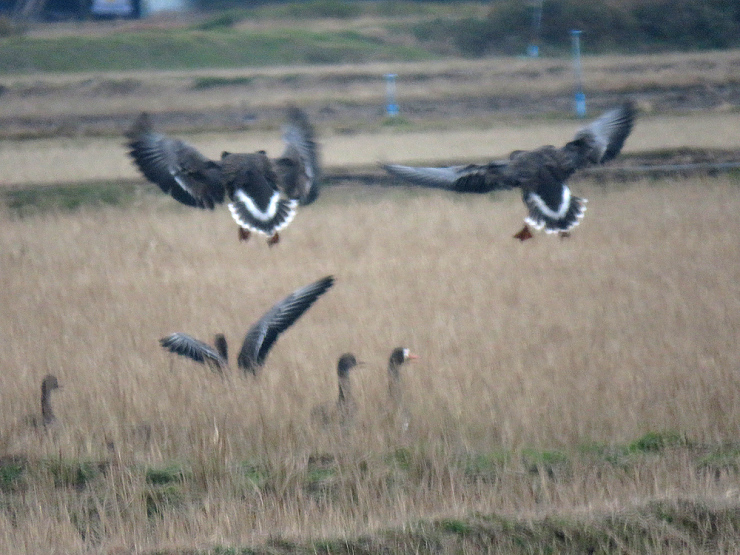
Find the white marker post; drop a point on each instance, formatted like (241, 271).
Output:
(391, 107)
(580, 96)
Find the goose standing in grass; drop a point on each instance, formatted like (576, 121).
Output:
(263, 192)
(344, 410)
(47, 418)
(398, 358)
(260, 337)
(539, 173)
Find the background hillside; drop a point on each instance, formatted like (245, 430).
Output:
(226, 34)
(508, 26)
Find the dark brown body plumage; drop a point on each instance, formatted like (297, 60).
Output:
(540, 174)
(263, 193)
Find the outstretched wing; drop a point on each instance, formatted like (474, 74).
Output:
(300, 142)
(603, 138)
(264, 333)
(176, 167)
(460, 179)
(187, 346)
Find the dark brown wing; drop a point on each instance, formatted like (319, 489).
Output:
(302, 152)
(263, 334)
(175, 166)
(603, 138)
(460, 179)
(187, 346)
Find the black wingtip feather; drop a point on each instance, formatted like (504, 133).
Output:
(142, 125)
(326, 282)
(627, 122)
(174, 344)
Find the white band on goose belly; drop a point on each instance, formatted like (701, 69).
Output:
(273, 229)
(263, 216)
(547, 211)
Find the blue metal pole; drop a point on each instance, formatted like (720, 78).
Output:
(390, 91)
(533, 50)
(580, 96)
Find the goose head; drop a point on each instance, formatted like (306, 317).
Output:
(49, 384)
(346, 363)
(401, 355)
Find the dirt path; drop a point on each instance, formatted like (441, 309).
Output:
(715, 136)
(351, 98)
(351, 117)
(70, 128)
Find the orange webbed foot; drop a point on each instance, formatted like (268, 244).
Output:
(274, 240)
(524, 234)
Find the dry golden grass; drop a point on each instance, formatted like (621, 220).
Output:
(629, 326)
(63, 161)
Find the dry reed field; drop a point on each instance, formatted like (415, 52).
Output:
(529, 351)
(75, 160)
(589, 382)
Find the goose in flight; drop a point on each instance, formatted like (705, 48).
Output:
(539, 173)
(263, 192)
(260, 337)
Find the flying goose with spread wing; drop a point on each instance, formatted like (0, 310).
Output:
(539, 173)
(263, 192)
(260, 337)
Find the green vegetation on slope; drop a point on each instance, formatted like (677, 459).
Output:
(626, 27)
(191, 49)
(35, 200)
(670, 524)
(296, 33)
(686, 526)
